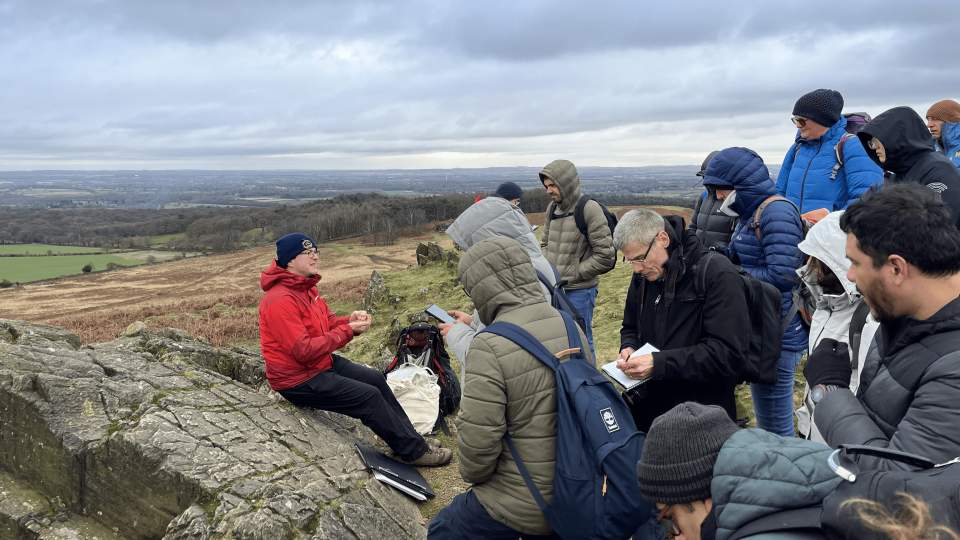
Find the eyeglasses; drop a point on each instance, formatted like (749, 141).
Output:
(666, 514)
(799, 121)
(310, 252)
(641, 260)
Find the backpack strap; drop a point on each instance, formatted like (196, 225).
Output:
(700, 273)
(838, 152)
(579, 217)
(548, 217)
(755, 221)
(532, 345)
(855, 333)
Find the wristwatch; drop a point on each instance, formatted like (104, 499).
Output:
(820, 390)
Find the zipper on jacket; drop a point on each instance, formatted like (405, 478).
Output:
(803, 181)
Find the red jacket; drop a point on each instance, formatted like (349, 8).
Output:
(298, 333)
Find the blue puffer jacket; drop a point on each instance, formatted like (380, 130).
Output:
(949, 142)
(805, 174)
(775, 257)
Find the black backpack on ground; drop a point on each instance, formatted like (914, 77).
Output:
(429, 351)
(759, 363)
(559, 299)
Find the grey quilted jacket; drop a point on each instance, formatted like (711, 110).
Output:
(759, 473)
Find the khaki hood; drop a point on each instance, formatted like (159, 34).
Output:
(564, 174)
(497, 275)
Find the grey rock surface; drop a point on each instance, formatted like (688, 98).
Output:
(158, 435)
(376, 292)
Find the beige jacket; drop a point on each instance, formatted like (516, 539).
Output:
(507, 390)
(580, 260)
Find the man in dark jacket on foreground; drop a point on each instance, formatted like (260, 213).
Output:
(905, 260)
(899, 141)
(700, 334)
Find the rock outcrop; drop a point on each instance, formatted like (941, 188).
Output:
(429, 252)
(158, 435)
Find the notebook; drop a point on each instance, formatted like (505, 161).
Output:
(400, 476)
(621, 378)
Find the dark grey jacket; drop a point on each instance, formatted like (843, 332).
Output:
(712, 228)
(909, 394)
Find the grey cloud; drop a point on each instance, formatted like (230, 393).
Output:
(158, 80)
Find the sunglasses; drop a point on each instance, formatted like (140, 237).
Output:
(799, 121)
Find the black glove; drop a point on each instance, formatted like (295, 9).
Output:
(829, 364)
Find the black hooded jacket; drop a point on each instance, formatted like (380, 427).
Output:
(911, 156)
(700, 334)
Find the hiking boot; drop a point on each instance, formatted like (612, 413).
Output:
(433, 457)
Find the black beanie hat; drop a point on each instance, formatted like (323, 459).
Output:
(291, 245)
(509, 191)
(681, 448)
(706, 161)
(823, 106)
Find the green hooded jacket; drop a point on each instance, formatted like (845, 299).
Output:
(506, 389)
(581, 260)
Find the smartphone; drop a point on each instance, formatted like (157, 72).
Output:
(439, 314)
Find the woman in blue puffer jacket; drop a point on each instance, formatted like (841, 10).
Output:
(773, 258)
(811, 176)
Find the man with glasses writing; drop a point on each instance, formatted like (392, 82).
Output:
(826, 167)
(298, 337)
(700, 328)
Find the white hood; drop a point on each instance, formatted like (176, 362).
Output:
(828, 243)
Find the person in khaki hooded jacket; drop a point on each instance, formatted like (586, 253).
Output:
(581, 259)
(506, 390)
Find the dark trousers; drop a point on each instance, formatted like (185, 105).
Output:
(465, 518)
(362, 393)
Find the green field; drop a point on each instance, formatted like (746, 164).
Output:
(26, 269)
(42, 249)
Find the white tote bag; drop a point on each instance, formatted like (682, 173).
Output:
(417, 391)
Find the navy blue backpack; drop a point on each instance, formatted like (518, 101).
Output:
(595, 489)
(558, 296)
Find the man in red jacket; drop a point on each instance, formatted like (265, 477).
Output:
(298, 337)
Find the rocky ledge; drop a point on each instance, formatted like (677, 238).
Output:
(158, 435)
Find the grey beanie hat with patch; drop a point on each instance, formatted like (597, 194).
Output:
(680, 451)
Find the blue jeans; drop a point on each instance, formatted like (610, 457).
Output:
(465, 518)
(773, 403)
(583, 301)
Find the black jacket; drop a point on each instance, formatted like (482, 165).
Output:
(712, 228)
(909, 394)
(699, 334)
(911, 156)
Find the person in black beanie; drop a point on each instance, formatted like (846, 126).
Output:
(712, 479)
(826, 167)
(509, 191)
(299, 340)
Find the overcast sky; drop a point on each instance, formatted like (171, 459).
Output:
(244, 84)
